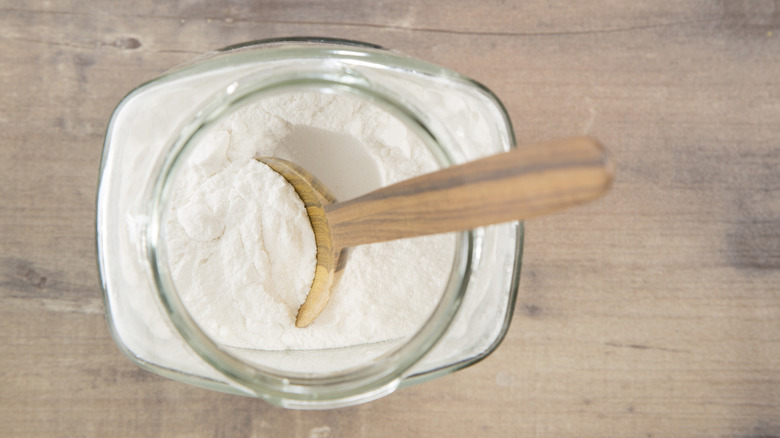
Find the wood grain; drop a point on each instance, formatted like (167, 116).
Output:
(653, 312)
(527, 182)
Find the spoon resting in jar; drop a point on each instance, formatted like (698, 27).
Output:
(529, 181)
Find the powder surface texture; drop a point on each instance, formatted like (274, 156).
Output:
(242, 251)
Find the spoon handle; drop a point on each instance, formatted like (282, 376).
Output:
(528, 181)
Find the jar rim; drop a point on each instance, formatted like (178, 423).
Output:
(370, 380)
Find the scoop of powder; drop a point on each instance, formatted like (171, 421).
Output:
(255, 245)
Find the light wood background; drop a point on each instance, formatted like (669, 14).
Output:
(653, 312)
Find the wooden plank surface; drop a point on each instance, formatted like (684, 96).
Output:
(654, 312)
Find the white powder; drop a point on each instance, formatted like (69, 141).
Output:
(242, 251)
(244, 238)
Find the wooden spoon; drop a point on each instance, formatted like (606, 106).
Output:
(528, 181)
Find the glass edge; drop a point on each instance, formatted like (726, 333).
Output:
(299, 39)
(514, 289)
(425, 376)
(146, 365)
(375, 53)
(102, 268)
(173, 374)
(212, 58)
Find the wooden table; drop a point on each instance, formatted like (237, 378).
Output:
(653, 312)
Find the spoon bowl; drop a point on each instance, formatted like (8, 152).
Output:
(330, 259)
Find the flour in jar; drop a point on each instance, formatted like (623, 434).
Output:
(242, 251)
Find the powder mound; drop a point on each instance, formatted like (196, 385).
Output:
(241, 237)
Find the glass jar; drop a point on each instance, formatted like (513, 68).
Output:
(153, 127)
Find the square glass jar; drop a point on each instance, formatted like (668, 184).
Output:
(459, 119)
